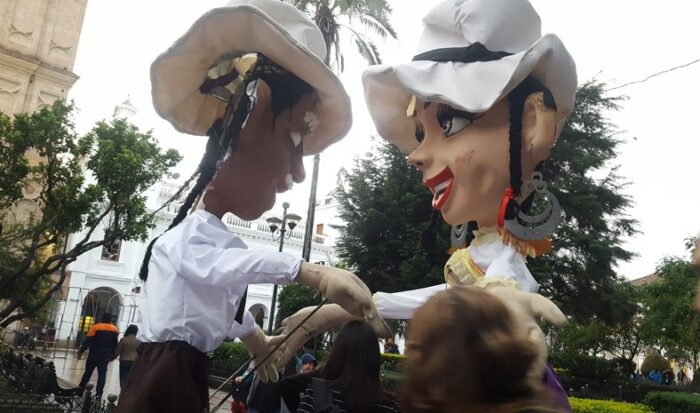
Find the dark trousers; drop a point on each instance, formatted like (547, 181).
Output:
(167, 377)
(101, 364)
(124, 368)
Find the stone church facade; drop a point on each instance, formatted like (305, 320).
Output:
(38, 45)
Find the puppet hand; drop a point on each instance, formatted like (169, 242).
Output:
(259, 346)
(526, 308)
(327, 317)
(345, 289)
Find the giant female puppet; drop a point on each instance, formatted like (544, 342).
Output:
(477, 110)
(251, 77)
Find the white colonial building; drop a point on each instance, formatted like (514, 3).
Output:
(106, 279)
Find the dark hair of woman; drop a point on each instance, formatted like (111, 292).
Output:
(286, 90)
(465, 354)
(131, 330)
(353, 365)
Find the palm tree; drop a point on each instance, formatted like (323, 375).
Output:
(333, 17)
(355, 17)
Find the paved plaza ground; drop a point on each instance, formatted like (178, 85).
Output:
(70, 369)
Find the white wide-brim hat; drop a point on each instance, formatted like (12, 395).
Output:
(275, 29)
(508, 26)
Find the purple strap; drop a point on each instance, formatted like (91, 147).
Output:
(551, 380)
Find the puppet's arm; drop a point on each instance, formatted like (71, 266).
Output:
(259, 346)
(526, 308)
(345, 289)
(401, 305)
(325, 318)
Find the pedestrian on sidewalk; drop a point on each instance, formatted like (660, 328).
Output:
(101, 340)
(126, 351)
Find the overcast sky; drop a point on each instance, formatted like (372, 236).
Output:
(614, 41)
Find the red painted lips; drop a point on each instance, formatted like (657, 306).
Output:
(441, 186)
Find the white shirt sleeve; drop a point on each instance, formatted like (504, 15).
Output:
(242, 330)
(204, 263)
(402, 305)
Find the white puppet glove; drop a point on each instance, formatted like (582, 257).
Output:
(526, 308)
(345, 289)
(259, 346)
(327, 317)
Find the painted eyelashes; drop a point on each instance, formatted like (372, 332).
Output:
(451, 121)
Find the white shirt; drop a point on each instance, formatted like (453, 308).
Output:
(496, 259)
(197, 274)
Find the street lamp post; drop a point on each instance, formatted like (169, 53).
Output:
(278, 228)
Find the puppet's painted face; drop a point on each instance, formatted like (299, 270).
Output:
(464, 160)
(267, 158)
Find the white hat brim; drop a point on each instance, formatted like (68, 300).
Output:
(177, 74)
(473, 87)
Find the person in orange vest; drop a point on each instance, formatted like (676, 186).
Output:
(101, 340)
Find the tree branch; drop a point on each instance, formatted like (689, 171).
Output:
(9, 320)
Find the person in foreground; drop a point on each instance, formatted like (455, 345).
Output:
(348, 382)
(466, 353)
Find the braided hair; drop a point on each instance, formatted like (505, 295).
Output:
(286, 90)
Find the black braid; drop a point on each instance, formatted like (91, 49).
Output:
(205, 172)
(471, 227)
(429, 234)
(517, 98)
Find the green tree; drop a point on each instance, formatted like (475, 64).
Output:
(580, 273)
(386, 207)
(670, 320)
(76, 185)
(621, 336)
(293, 298)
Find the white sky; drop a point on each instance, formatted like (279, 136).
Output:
(615, 41)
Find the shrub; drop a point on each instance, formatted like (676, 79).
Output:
(585, 366)
(393, 362)
(228, 357)
(622, 390)
(673, 402)
(654, 362)
(606, 406)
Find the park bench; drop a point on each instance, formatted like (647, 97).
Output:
(32, 375)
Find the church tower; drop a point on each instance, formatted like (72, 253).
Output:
(38, 44)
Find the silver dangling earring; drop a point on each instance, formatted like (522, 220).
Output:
(458, 236)
(536, 227)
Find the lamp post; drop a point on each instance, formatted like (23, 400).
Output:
(278, 229)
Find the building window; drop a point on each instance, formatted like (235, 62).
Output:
(110, 251)
(319, 229)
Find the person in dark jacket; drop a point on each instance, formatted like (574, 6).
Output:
(101, 340)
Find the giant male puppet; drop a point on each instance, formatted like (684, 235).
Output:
(251, 77)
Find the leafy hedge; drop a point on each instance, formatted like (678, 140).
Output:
(673, 402)
(617, 389)
(587, 367)
(606, 406)
(393, 362)
(227, 358)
